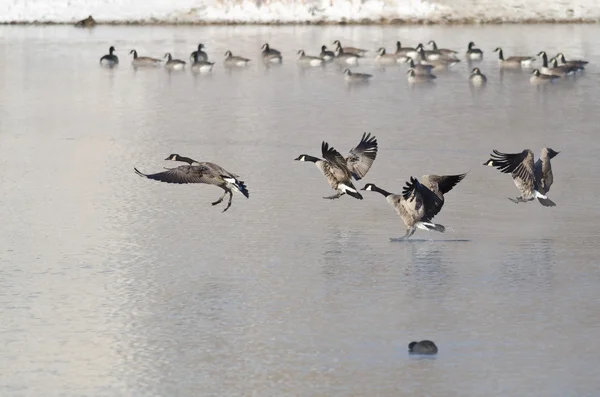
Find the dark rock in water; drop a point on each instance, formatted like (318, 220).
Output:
(422, 347)
(89, 22)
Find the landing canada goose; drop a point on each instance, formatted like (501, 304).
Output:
(110, 59)
(403, 52)
(473, 53)
(356, 77)
(89, 22)
(308, 60)
(339, 171)
(532, 180)
(563, 70)
(143, 61)
(326, 54)
(514, 61)
(271, 55)
(350, 50)
(420, 202)
(444, 51)
(422, 347)
(413, 77)
(385, 59)
(235, 61)
(343, 58)
(573, 62)
(201, 66)
(420, 69)
(539, 78)
(201, 172)
(477, 78)
(199, 55)
(174, 64)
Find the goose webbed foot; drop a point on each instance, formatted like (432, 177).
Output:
(229, 202)
(220, 198)
(409, 232)
(518, 200)
(335, 196)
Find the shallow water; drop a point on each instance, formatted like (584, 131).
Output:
(115, 285)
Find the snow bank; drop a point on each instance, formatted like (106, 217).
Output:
(307, 11)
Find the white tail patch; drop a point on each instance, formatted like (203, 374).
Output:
(539, 195)
(425, 225)
(345, 188)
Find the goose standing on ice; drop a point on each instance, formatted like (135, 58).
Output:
(339, 171)
(144, 61)
(307, 60)
(532, 180)
(404, 52)
(110, 60)
(420, 201)
(174, 64)
(271, 55)
(234, 60)
(199, 55)
(473, 54)
(477, 78)
(326, 54)
(201, 172)
(201, 66)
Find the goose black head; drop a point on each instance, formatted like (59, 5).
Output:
(111, 50)
(369, 187)
(552, 153)
(228, 54)
(173, 157)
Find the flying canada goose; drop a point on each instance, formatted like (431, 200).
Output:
(235, 61)
(539, 78)
(420, 202)
(563, 61)
(422, 347)
(532, 180)
(350, 50)
(343, 58)
(565, 70)
(174, 64)
(110, 60)
(356, 77)
(308, 60)
(420, 69)
(403, 52)
(473, 53)
(201, 66)
(339, 171)
(143, 61)
(514, 61)
(271, 55)
(413, 77)
(477, 78)
(201, 172)
(199, 55)
(326, 54)
(385, 59)
(444, 51)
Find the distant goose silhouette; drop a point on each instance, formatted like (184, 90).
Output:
(110, 59)
(422, 347)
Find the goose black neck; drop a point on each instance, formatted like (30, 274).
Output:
(380, 190)
(500, 55)
(312, 159)
(185, 159)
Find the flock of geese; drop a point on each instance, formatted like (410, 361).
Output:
(418, 203)
(421, 62)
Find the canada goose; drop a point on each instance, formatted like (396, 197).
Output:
(385, 59)
(199, 55)
(235, 61)
(532, 180)
(563, 70)
(420, 202)
(339, 171)
(413, 77)
(563, 61)
(514, 61)
(110, 59)
(271, 55)
(444, 51)
(143, 61)
(420, 69)
(477, 78)
(356, 77)
(308, 60)
(539, 78)
(326, 54)
(428, 55)
(201, 66)
(350, 50)
(343, 58)
(174, 64)
(545, 69)
(422, 347)
(473, 53)
(201, 172)
(89, 22)
(438, 63)
(403, 52)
